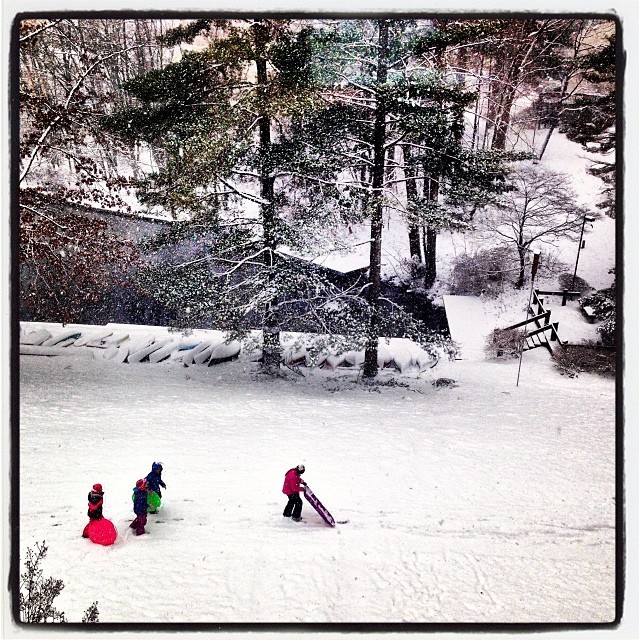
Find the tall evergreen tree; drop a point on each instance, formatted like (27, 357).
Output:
(242, 164)
(390, 100)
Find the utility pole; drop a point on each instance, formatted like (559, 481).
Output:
(585, 219)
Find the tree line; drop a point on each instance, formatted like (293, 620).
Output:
(266, 138)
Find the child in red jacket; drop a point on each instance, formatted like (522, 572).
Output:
(94, 511)
(291, 488)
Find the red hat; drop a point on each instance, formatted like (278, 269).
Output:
(141, 484)
(97, 488)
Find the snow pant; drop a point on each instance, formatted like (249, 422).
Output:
(294, 506)
(138, 524)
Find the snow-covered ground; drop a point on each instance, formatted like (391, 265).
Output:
(480, 502)
(483, 502)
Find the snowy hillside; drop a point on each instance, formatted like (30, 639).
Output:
(480, 502)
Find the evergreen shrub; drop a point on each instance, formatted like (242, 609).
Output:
(602, 306)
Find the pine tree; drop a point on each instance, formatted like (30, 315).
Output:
(375, 104)
(400, 121)
(231, 125)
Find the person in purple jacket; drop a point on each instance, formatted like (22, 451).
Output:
(140, 507)
(293, 484)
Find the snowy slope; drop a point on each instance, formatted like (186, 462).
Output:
(480, 502)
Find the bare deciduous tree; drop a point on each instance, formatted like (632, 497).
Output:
(540, 210)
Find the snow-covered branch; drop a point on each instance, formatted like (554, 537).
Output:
(244, 194)
(83, 76)
(32, 34)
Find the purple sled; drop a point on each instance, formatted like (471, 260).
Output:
(318, 506)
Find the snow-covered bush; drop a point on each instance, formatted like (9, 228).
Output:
(411, 272)
(91, 614)
(602, 305)
(585, 358)
(482, 272)
(503, 343)
(607, 332)
(37, 593)
(567, 281)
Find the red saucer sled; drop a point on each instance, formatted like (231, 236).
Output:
(102, 532)
(318, 506)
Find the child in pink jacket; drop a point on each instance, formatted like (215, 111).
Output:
(291, 488)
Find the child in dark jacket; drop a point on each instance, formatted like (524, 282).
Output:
(154, 482)
(94, 511)
(291, 488)
(140, 507)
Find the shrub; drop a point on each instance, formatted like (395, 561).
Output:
(37, 593)
(571, 360)
(567, 282)
(603, 306)
(483, 272)
(91, 614)
(504, 343)
(602, 302)
(607, 332)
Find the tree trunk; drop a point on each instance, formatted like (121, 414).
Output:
(503, 120)
(430, 258)
(412, 196)
(271, 351)
(524, 34)
(556, 117)
(522, 257)
(431, 191)
(371, 351)
(477, 109)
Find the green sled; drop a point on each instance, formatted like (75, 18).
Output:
(153, 500)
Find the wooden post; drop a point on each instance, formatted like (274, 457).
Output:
(534, 270)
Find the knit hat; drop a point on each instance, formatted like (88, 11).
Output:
(300, 469)
(141, 484)
(97, 488)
